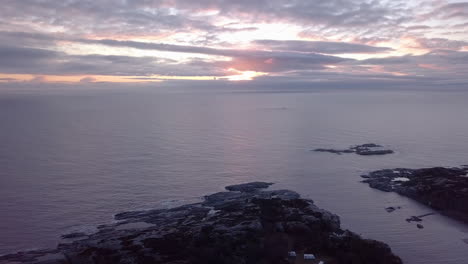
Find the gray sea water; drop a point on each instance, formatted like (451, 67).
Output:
(71, 160)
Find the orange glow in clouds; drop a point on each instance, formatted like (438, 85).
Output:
(381, 69)
(73, 78)
(236, 76)
(431, 67)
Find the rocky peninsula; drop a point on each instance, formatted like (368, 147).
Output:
(243, 225)
(368, 149)
(444, 189)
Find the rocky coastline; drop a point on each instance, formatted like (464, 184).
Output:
(443, 189)
(243, 225)
(369, 149)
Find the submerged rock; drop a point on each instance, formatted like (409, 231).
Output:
(335, 151)
(444, 189)
(391, 209)
(243, 226)
(364, 149)
(414, 219)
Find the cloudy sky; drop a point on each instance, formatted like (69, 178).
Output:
(399, 42)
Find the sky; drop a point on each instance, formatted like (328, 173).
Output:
(309, 42)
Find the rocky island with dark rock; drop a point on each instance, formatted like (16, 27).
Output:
(444, 189)
(245, 225)
(368, 149)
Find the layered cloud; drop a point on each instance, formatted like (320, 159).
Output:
(326, 47)
(346, 41)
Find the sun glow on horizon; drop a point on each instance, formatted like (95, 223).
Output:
(244, 75)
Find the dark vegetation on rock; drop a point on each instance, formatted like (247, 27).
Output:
(237, 227)
(368, 149)
(444, 189)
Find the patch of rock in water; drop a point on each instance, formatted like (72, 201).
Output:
(444, 189)
(418, 218)
(391, 209)
(248, 225)
(364, 150)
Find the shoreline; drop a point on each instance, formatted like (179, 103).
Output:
(440, 188)
(243, 225)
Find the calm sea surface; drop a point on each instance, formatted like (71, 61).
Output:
(71, 160)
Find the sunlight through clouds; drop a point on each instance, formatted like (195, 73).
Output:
(227, 40)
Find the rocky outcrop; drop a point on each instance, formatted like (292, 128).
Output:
(245, 226)
(444, 189)
(248, 187)
(364, 150)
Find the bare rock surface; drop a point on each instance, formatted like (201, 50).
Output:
(444, 189)
(368, 149)
(243, 226)
(248, 187)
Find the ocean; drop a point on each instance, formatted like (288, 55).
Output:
(70, 160)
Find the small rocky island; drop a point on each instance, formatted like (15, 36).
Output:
(243, 225)
(444, 189)
(364, 150)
